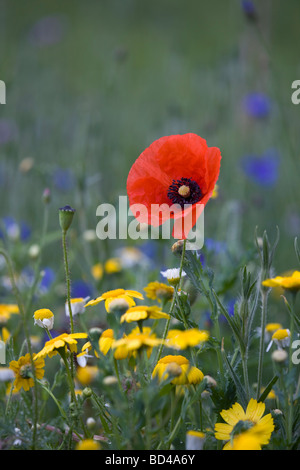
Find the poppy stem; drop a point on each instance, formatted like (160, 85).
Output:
(173, 303)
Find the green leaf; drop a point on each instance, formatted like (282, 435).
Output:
(268, 388)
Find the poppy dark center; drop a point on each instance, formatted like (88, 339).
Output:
(184, 191)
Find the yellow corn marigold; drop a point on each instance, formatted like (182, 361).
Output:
(22, 369)
(238, 421)
(179, 367)
(62, 341)
(143, 312)
(111, 295)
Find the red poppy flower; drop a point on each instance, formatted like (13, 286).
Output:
(176, 170)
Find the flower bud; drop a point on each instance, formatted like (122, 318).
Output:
(110, 380)
(279, 355)
(95, 333)
(177, 248)
(66, 214)
(90, 423)
(87, 392)
(47, 196)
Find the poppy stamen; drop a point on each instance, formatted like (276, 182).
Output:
(184, 191)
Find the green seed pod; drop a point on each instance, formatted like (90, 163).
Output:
(66, 214)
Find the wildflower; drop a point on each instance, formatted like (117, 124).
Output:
(111, 295)
(8, 309)
(194, 440)
(138, 339)
(26, 164)
(238, 421)
(257, 105)
(279, 355)
(44, 318)
(110, 380)
(88, 444)
(263, 169)
(188, 338)
(176, 169)
(47, 31)
(97, 271)
(6, 374)
(173, 275)
(215, 193)
(86, 375)
(113, 265)
(131, 256)
(63, 179)
(159, 291)
(270, 327)
(247, 440)
(106, 340)
(77, 305)
(82, 357)
(22, 369)
(290, 282)
(89, 235)
(185, 373)
(143, 312)
(249, 9)
(281, 338)
(64, 340)
(4, 333)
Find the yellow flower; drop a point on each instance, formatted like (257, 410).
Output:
(97, 271)
(77, 306)
(188, 338)
(87, 374)
(173, 275)
(23, 372)
(281, 338)
(194, 440)
(62, 341)
(248, 440)
(113, 265)
(106, 340)
(238, 421)
(215, 192)
(270, 327)
(143, 312)
(88, 444)
(289, 282)
(44, 318)
(179, 367)
(8, 309)
(4, 334)
(111, 295)
(136, 340)
(159, 291)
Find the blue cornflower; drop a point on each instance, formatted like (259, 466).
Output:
(262, 169)
(47, 280)
(249, 9)
(257, 105)
(63, 179)
(82, 289)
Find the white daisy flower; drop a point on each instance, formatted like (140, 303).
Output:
(77, 306)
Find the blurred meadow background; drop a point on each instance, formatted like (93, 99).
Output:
(90, 85)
